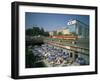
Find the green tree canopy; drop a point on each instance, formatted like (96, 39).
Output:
(60, 33)
(35, 31)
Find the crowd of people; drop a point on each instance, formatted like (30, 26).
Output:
(54, 56)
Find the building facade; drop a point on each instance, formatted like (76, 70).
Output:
(78, 28)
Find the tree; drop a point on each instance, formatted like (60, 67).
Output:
(29, 32)
(60, 33)
(55, 33)
(46, 33)
(30, 59)
(42, 31)
(35, 31)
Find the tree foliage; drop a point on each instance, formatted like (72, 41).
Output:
(60, 33)
(35, 31)
(55, 33)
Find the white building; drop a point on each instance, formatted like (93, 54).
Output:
(63, 31)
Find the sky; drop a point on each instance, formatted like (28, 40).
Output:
(50, 21)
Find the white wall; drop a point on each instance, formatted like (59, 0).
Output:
(5, 40)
